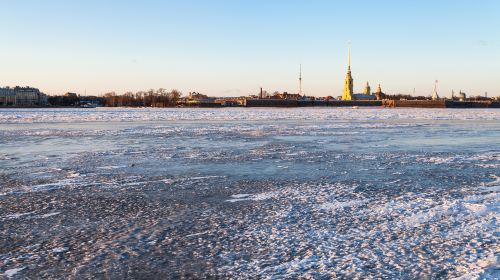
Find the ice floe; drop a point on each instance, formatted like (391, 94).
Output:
(12, 272)
(247, 114)
(250, 193)
(255, 197)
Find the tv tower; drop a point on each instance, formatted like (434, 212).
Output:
(300, 79)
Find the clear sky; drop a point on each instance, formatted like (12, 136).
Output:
(233, 47)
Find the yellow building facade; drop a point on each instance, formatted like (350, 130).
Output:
(348, 83)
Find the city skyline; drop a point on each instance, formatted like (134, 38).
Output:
(232, 49)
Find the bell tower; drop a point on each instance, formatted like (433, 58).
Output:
(348, 84)
(379, 94)
(368, 90)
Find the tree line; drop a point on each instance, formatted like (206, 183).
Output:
(151, 98)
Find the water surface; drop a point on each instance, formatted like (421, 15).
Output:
(249, 193)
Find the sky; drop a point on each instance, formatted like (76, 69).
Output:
(234, 47)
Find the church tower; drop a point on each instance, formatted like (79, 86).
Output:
(368, 90)
(379, 94)
(348, 85)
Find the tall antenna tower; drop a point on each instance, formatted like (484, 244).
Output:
(300, 79)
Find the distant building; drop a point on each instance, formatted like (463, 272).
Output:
(71, 95)
(91, 100)
(462, 96)
(28, 96)
(196, 98)
(379, 94)
(349, 85)
(71, 99)
(230, 101)
(362, 96)
(7, 97)
(366, 95)
(22, 97)
(286, 95)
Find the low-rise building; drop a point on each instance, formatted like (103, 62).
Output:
(286, 95)
(195, 98)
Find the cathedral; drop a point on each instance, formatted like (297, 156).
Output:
(348, 87)
(348, 84)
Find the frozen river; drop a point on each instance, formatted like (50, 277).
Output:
(249, 193)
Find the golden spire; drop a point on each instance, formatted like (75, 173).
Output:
(348, 84)
(349, 58)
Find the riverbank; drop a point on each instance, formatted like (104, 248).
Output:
(288, 103)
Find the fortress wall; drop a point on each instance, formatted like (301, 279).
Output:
(495, 104)
(271, 103)
(360, 103)
(416, 103)
(372, 103)
(441, 104)
(309, 103)
(467, 104)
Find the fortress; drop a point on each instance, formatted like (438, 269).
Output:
(349, 94)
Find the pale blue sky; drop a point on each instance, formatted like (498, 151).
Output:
(232, 47)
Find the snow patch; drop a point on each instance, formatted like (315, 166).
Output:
(339, 205)
(11, 272)
(60, 249)
(254, 197)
